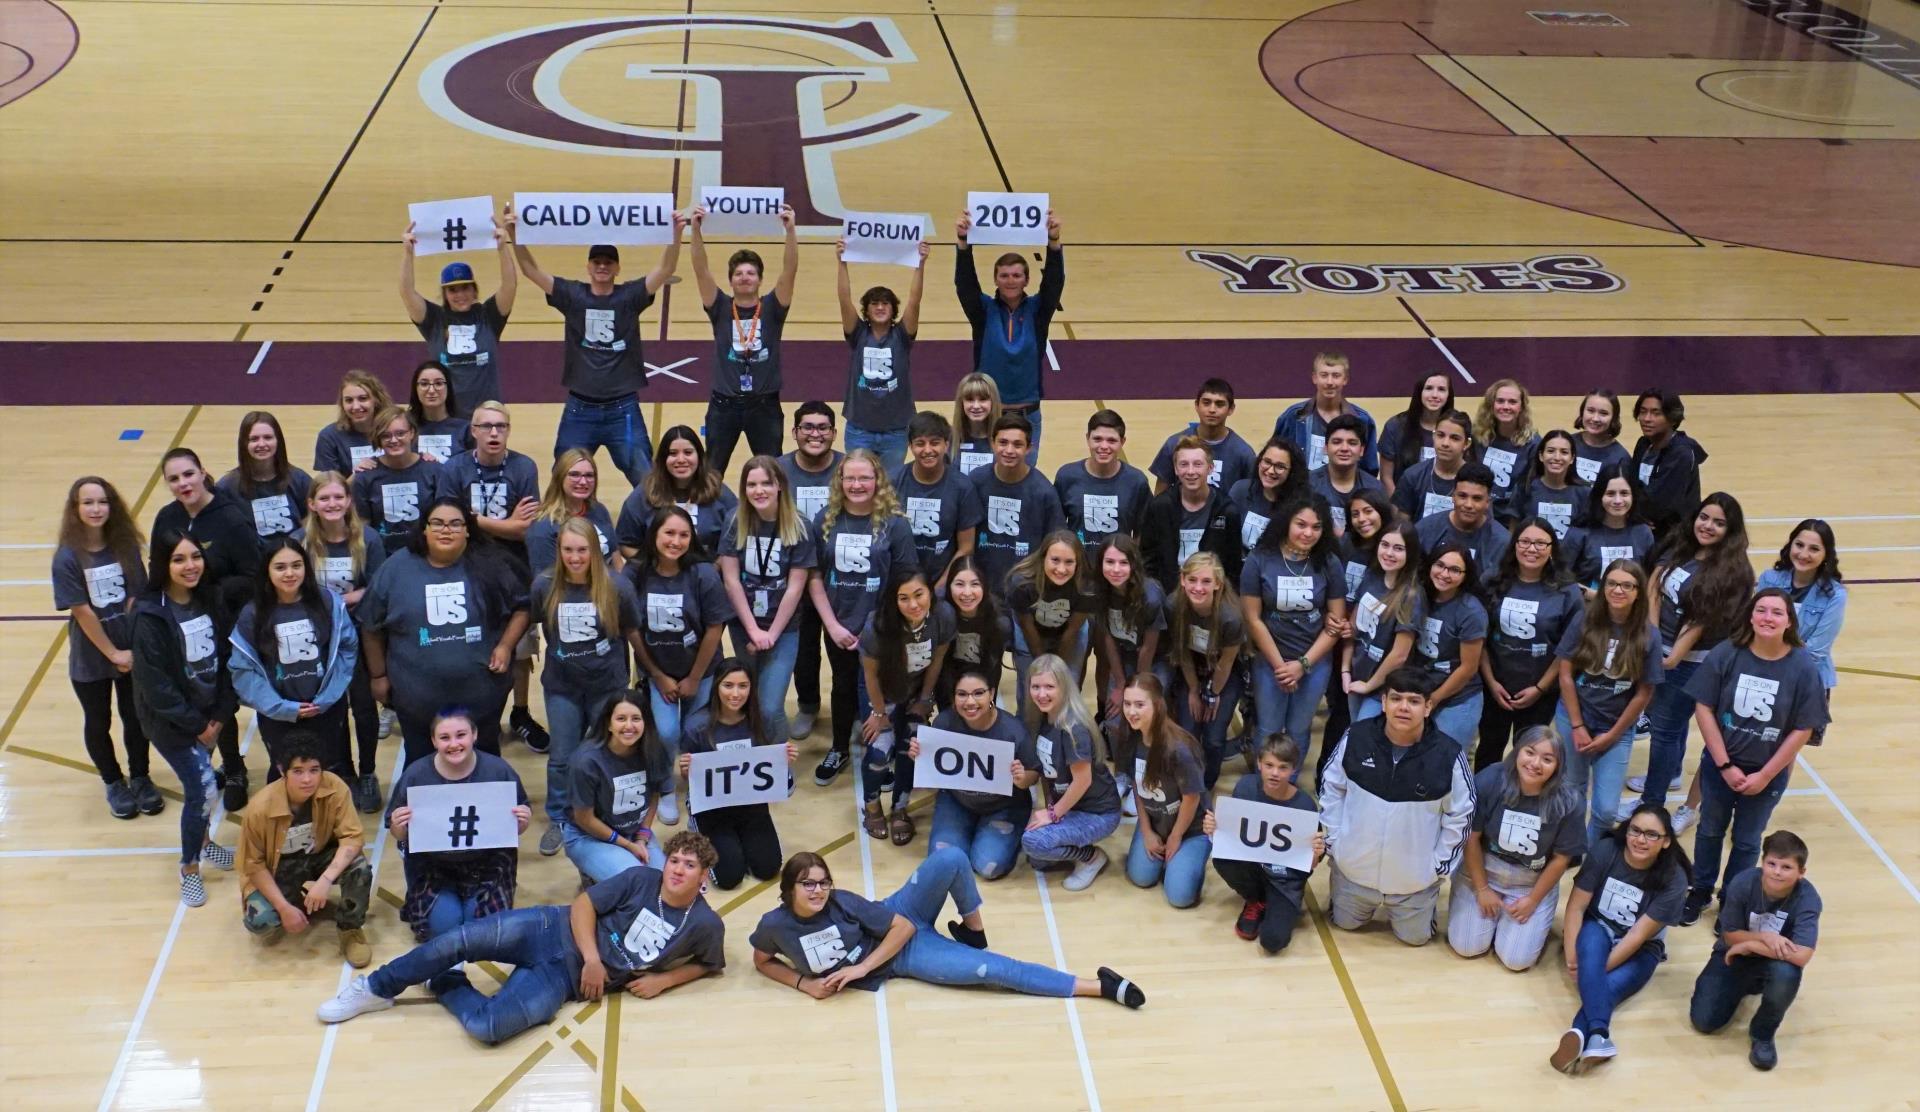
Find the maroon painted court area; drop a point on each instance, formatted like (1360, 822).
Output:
(307, 373)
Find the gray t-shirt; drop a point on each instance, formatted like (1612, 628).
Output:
(445, 438)
(583, 657)
(1526, 625)
(422, 773)
(337, 449)
(441, 625)
(1603, 698)
(810, 488)
(1759, 702)
(855, 562)
(1097, 509)
(1588, 461)
(1487, 544)
(1049, 607)
(971, 453)
(467, 346)
(1160, 803)
(619, 789)
(201, 653)
(1127, 631)
(1373, 628)
(603, 337)
(1233, 459)
(394, 500)
(1421, 493)
(1052, 751)
(107, 587)
(636, 517)
(879, 379)
(844, 932)
(1508, 460)
(1005, 727)
(1622, 893)
(1019, 517)
(543, 538)
(490, 490)
(678, 610)
(1563, 509)
(766, 561)
(1202, 646)
(1514, 832)
(296, 657)
(1596, 546)
(277, 508)
(921, 643)
(936, 512)
(1436, 644)
(1320, 482)
(746, 346)
(1744, 906)
(639, 934)
(1293, 596)
(336, 569)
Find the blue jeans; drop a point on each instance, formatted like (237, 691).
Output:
(1669, 716)
(618, 426)
(1181, 877)
(891, 447)
(991, 842)
(1459, 719)
(536, 941)
(773, 674)
(931, 957)
(1603, 776)
(1060, 841)
(1721, 806)
(1601, 990)
(193, 764)
(1212, 735)
(1720, 988)
(566, 721)
(599, 860)
(448, 912)
(673, 719)
(1033, 449)
(1276, 709)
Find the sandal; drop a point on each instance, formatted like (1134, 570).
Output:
(875, 821)
(901, 825)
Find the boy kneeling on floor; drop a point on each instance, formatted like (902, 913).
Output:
(1768, 925)
(298, 838)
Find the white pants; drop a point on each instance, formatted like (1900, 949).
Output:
(1471, 933)
(1352, 906)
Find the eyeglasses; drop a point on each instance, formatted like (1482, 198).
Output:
(491, 426)
(396, 437)
(813, 885)
(814, 430)
(583, 475)
(424, 384)
(1533, 545)
(1449, 569)
(1616, 585)
(1643, 835)
(1277, 466)
(447, 526)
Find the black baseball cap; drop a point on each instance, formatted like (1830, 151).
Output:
(603, 251)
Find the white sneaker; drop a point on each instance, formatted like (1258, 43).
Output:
(1084, 872)
(1684, 818)
(800, 727)
(389, 722)
(669, 812)
(1124, 785)
(1637, 784)
(1599, 1050)
(355, 999)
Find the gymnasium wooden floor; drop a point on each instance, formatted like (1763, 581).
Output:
(201, 207)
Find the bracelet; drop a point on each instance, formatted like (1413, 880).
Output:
(1579, 725)
(381, 676)
(613, 836)
(798, 980)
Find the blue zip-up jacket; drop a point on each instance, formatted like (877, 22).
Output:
(1296, 425)
(253, 677)
(1008, 344)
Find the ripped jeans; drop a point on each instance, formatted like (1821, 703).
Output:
(990, 841)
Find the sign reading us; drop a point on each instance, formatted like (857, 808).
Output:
(747, 122)
(1282, 274)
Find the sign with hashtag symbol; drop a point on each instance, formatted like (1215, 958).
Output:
(449, 817)
(444, 227)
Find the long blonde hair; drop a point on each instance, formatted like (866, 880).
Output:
(1072, 710)
(1181, 618)
(600, 588)
(974, 386)
(1486, 428)
(356, 529)
(553, 504)
(786, 519)
(382, 401)
(886, 503)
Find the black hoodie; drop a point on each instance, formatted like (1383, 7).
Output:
(225, 529)
(170, 711)
(1671, 478)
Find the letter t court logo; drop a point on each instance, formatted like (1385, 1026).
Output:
(752, 122)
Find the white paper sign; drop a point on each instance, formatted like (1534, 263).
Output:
(584, 219)
(742, 210)
(443, 227)
(884, 237)
(733, 777)
(1264, 833)
(463, 816)
(962, 762)
(1008, 219)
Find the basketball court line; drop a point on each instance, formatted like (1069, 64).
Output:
(1359, 1010)
(259, 357)
(1073, 1005)
(967, 88)
(1438, 342)
(888, 1096)
(1859, 828)
(138, 851)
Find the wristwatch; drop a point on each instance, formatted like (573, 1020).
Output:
(1724, 765)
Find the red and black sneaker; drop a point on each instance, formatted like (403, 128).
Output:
(1248, 925)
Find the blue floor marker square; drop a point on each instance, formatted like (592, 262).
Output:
(132, 434)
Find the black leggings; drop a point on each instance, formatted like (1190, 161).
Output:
(1282, 897)
(366, 717)
(806, 666)
(759, 417)
(330, 727)
(96, 711)
(846, 693)
(1339, 718)
(746, 841)
(1499, 725)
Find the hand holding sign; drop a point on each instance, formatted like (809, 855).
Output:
(963, 762)
(1264, 833)
(448, 817)
(1009, 219)
(442, 227)
(892, 238)
(735, 777)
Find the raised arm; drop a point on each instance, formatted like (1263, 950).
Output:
(669, 259)
(702, 273)
(966, 280)
(849, 312)
(789, 260)
(503, 230)
(409, 294)
(910, 313)
(527, 266)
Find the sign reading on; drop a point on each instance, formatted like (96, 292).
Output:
(884, 237)
(584, 219)
(962, 762)
(442, 227)
(463, 816)
(1008, 219)
(734, 777)
(742, 210)
(1264, 833)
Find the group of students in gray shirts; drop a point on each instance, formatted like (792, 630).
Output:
(1488, 615)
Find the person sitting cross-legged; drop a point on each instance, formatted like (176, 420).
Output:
(298, 838)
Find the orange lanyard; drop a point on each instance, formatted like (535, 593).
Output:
(746, 339)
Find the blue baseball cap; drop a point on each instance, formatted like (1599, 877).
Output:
(454, 274)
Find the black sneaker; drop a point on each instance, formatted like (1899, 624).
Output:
(120, 801)
(1763, 1056)
(529, 731)
(830, 767)
(234, 795)
(146, 796)
(1248, 925)
(366, 794)
(1696, 904)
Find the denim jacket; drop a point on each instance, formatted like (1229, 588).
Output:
(1820, 615)
(253, 679)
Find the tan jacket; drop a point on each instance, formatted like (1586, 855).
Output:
(263, 826)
